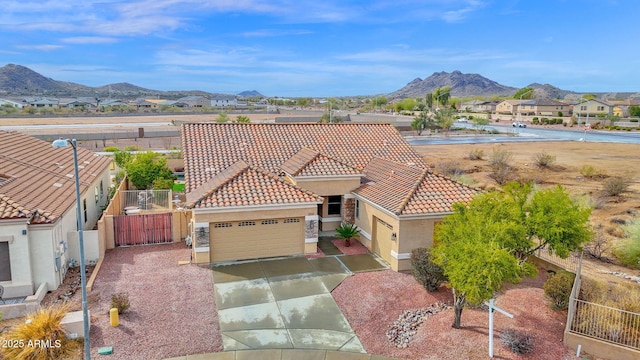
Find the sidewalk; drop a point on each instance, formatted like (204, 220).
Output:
(283, 354)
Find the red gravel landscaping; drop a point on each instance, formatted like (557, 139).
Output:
(173, 310)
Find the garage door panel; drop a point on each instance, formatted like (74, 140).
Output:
(256, 239)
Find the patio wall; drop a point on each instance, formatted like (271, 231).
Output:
(31, 304)
(91, 245)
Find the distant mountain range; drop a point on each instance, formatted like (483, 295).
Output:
(17, 80)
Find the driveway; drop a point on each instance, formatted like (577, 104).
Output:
(286, 303)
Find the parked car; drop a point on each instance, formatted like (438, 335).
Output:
(519, 124)
(463, 120)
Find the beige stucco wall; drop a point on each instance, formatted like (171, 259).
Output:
(365, 221)
(329, 186)
(20, 257)
(414, 234)
(600, 349)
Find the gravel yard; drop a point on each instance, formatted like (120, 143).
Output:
(372, 302)
(173, 310)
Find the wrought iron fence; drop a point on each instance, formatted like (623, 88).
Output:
(146, 200)
(606, 323)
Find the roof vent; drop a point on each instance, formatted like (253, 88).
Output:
(57, 185)
(69, 175)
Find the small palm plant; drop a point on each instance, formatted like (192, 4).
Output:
(347, 232)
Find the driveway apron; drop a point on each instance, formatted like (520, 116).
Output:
(283, 304)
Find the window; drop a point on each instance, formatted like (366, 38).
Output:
(95, 191)
(5, 264)
(84, 208)
(246, 223)
(101, 189)
(334, 205)
(583, 108)
(222, 225)
(290, 221)
(269, 222)
(357, 209)
(600, 108)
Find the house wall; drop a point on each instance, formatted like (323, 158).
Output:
(366, 221)
(90, 242)
(325, 188)
(413, 234)
(21, 283)
(41, 239)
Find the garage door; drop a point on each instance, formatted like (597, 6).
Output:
(240, 240)
(382, 239)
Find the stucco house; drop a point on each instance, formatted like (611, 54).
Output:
(195, 101)
(543, 107)
(479, 106)
(224, 101)
(593, 108)
(509, 106)
(38, 209)
(265, 190)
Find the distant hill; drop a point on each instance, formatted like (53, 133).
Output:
(251, 94)
(18, 80)
(462, 85)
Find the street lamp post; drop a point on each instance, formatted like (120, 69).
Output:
(60, 143)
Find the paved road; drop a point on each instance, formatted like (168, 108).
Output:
(510, 134)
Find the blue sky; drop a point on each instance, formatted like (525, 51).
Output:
(293, 48)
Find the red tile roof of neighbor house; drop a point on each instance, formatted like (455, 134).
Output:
(244, 185)
(238, 164)
(409, 190)
(39, 179)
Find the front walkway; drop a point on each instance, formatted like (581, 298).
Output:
(283, 354)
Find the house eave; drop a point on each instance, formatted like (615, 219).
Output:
(228, 209)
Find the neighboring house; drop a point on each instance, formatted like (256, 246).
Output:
(112, 102)
(265, 190)
(80, 104)
(224, 101)
(593, 108)
(509, 106)
(143, 104)
(543, 107)
(195, 101)
(10, 103)
(42, 103)
(479, 106)
(38, 209)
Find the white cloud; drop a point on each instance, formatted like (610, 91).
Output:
(89, 40)
(41, 47)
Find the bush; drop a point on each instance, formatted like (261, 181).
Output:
(557, 289)
(449, 168)
(615, 186)
(518, 342)
(476, 154)
(628, 249)
(633, 120)
(430, 275)
(43, 326)
(111, 149)
(591, 172)
(500, 157)
(543, 159)
(120, 301)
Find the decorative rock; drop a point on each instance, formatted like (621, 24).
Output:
(401, 332)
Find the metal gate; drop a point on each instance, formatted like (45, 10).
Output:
(142, 229)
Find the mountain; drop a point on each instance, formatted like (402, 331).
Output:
(251, 94)
(547, 91)
(18, 80)
(462, 85)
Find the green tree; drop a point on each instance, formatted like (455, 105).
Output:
(444, 119)
(422, 121)
(634, 110)
(526, 93)
(122, 158)
(442, 95)
(428, 98)
(486, 243)
(241, 119)
(145, 168)
(222, 118)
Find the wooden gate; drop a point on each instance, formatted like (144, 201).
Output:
(142, 229)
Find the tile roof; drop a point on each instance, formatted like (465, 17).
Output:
(40, 178)
(244, 185)
(209, 148)
(308, 162)
(410, 190)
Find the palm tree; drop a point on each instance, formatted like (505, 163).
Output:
(347, 232)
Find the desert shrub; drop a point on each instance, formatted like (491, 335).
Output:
(44, 327)
(591, 172)
(465, 179)
(544, 120)
(501, 174)
(593, 289)
(598, 245)
(111, 149)
(120, 301)
(449, 168)
(500, 157)
(476, 154)
(627, 250)
(425, 271)
(560, 114)
(519, 342)
(542, 159)
(615, 185)
(633, 120)
(557, 289)
(535, 121)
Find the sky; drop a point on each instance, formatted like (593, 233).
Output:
(322, 48)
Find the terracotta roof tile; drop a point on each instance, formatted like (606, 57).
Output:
(307, 162)
(40, 178)
(209, 148)
(244, 185)
(410, 190)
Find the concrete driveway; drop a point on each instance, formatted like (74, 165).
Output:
(286, 303)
